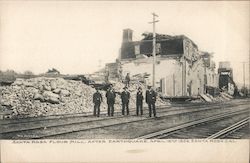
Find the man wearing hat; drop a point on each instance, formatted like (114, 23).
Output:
(110, 95)
(150, 100)
(125, 96)
(139, 101)
(127, 80)
(97, 99)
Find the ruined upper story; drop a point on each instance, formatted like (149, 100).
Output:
(167, 46)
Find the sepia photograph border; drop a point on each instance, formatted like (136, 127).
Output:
(124, 150)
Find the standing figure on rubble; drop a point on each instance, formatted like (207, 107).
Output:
(97, 99)
(139, 101)
(125, 96)
(127, 80)
(150, 100)
(110, 95)
(107, 77)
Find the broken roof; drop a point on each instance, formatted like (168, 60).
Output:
(161, 37)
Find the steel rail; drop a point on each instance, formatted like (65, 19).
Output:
(67, 116)
(230, 129)
(162, 133)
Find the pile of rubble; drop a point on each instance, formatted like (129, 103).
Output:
(46, 96)
(222, 97)
(52, 96)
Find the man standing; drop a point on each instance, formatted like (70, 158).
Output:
(107, 77)
(97, 99)
(110, 95)
(150, 100)
(125, 96)
(139, 101)
(127, 80)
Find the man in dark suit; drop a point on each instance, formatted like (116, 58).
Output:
(125, 96)
(127, 80)
(139, 101)
(97, 99)
(150, 100)
(110, 95)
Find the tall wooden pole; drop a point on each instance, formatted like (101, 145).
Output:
(154, 47)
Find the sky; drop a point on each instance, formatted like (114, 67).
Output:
(78, 37)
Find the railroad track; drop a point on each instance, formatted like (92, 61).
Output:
(230, 129)
(173, 131)
(62, 129)
(88, 114)
(242, 133)
(69, 116)
(78, 120)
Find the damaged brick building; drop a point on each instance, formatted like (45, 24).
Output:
(181, 68)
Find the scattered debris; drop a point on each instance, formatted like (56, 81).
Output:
(205, 97)
(223, 96)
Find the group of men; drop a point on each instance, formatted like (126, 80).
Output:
(125, 97)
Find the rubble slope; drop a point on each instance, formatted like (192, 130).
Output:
(52, 96)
